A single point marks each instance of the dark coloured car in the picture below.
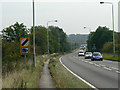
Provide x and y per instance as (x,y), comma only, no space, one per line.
(88,55)
(96,56)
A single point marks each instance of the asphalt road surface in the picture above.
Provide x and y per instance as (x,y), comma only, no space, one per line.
(101,74)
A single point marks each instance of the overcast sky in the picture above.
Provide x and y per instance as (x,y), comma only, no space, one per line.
(72,15)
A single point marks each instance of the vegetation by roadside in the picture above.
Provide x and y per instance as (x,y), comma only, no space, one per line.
(21,78)
(62,77)
(111,57)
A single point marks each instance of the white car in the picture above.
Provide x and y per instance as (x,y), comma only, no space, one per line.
(88,55)
(81,53)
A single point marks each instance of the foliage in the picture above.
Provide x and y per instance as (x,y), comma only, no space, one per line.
(14,32)
(97,39)
(58,40)
(108,46)
(10,51)
(11,44)
(76,40)
(40,39)
(21,78)
(62,77)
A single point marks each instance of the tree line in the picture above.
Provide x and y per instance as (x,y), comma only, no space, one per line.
(11,41)
(102,40)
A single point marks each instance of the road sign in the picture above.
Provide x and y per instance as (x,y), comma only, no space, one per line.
(24,46)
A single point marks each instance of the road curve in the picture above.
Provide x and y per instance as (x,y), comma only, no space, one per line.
(101,74)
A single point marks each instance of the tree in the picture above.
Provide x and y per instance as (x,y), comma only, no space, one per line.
(58,40)
(40,38)
(14,32)
(99,38)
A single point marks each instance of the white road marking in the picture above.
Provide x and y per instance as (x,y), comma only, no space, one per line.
(96,65)
(78,76)
(107,68)
(101,65)
(85,61)
(90,62)
(117,71)
(114,68)
(82,60)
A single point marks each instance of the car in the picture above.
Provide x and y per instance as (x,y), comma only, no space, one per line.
(88,55)
(81,53)
(96,56)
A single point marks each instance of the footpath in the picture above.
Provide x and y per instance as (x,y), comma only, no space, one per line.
(46,79)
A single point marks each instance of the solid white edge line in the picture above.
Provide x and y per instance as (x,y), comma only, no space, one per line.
(78,76)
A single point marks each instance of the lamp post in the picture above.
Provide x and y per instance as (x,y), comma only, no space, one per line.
(33,36)
(88,28)
(89,35)
(48,34)
(112,24)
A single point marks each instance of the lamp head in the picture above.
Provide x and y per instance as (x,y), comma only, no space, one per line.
(56,20)
(101,2)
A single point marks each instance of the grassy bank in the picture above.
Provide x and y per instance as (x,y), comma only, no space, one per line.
(62,77)
(111,57)
(21,78)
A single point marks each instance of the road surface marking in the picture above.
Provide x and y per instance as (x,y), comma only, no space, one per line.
(96,65)
(82,60)
(114,68)
(90,62)
(78,76)
(117,71)
(107,68)
(85,61)
(101,65)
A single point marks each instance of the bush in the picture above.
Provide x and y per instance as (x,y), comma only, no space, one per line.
(108,47)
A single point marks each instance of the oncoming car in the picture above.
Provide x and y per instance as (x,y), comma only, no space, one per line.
(96,56)
(88,55)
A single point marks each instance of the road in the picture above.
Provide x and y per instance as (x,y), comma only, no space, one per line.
(101,74)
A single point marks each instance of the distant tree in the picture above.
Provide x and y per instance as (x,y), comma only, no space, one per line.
(99,38)
(58,40)
(40,38)
(14,32)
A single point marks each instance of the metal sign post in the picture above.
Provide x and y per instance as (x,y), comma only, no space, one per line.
(25,48)
(25,62)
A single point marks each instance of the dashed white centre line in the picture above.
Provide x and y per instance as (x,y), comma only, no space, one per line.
(107,68)
(117,71)
(82,60)
(114,68)
(101,65)
(90,62)
(85,61)
(97,65)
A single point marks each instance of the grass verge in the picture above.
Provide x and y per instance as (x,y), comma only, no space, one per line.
(111,57)
(21,78)
(62,77)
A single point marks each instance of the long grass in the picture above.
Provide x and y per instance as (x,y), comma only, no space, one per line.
(111,57)
(62,77)
(25,78)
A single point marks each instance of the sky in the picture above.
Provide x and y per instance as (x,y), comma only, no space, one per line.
(72,15)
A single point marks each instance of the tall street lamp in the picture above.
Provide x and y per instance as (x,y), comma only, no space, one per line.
(33,36)
(112,24)
(88,28)
(89,34)
(48,34)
